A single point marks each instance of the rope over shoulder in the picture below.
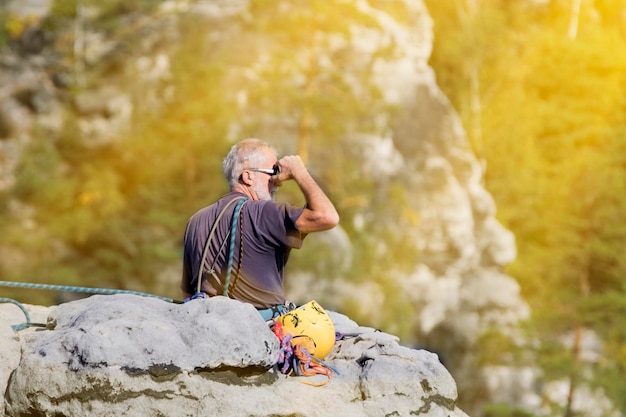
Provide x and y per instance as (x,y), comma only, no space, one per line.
(199,294)
(231,254)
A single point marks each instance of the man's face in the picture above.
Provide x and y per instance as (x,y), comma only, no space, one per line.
(264,186)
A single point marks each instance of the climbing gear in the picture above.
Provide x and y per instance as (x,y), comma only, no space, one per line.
(240,202)
(196,296)
(294,356)
(233,228)
(69,288)
(275,311)
(87,290)
(28,323)
(313,321)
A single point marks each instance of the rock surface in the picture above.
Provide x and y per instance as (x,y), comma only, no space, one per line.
(126,355)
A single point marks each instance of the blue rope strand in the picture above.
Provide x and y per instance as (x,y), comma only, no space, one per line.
(18,326)
(71,288)
(233,232)
(68,288)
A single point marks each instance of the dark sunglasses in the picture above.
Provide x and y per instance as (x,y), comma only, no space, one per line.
(273,171)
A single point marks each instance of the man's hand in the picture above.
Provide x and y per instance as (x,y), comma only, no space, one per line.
(290,166)
(320,213)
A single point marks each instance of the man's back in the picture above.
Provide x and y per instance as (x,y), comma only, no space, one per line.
(269,233)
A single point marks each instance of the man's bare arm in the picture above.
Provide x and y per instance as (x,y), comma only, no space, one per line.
(320,213)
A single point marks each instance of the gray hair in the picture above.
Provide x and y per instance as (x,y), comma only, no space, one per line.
(248,153)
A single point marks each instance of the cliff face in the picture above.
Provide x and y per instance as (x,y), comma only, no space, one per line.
(410,143)
(125,355)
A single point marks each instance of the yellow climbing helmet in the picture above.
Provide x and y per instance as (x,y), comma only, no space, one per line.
(313,321)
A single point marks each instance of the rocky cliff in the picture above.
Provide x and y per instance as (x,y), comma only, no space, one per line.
(408,143)
(126,355)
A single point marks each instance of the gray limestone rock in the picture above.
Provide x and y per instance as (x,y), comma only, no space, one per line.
(126,355)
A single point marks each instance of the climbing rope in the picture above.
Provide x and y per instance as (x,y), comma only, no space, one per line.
(68,288)
(233,228)
(87,290)
(240,263)
(294,357)
(21,326)
(199,294)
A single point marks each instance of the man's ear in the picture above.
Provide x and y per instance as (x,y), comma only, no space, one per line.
(246,177)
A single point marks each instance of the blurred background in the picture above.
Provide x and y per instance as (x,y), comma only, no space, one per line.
(475,149)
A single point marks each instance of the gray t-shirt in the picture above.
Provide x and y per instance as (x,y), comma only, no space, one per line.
(269,230)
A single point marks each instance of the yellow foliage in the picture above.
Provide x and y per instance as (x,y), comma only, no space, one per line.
(411,216)
(87,198)
(15,25)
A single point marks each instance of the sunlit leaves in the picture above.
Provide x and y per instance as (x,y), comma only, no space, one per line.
(552,122)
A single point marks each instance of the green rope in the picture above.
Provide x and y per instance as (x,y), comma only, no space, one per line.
(23,325)
(233,232)
(69,288)
(72,288)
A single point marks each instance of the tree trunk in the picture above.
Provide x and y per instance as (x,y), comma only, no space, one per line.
(574,18)
(304,134)
(475,101)
(79,46)
(304,125)
(583,282)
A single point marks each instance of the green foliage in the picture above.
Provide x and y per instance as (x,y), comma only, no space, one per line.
(39,165)
(609,376)
(4,29)
(497,348)
(504,410)
(110,10)
(550,128)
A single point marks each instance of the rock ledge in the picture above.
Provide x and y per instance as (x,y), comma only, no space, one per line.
(120,355)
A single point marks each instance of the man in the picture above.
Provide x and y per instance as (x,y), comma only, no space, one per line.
(252,269)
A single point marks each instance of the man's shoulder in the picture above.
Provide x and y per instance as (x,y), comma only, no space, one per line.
(217,205)
(270,205)
(203,213)
(266,209)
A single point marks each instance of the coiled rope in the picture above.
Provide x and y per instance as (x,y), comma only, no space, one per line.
(294,357)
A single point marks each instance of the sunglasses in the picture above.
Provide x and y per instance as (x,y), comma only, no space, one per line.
(273,171)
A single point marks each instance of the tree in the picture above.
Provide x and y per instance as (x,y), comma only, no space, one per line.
(552,126)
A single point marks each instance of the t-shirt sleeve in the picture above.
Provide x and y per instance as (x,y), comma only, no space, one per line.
(279,224)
